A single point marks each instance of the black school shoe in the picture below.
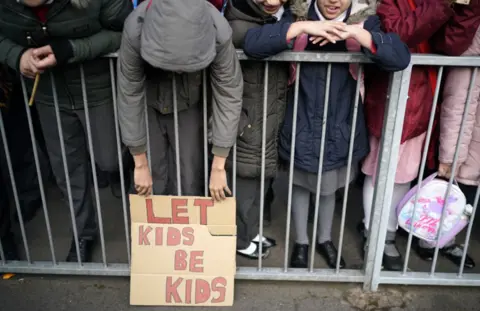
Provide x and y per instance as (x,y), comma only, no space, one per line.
(453,253)
(329,252)
(389,263)
(255,254)
(299,257)
(86,250)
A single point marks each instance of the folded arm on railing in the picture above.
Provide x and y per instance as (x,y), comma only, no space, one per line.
(391,54)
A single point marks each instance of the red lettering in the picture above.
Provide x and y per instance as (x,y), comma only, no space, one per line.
(180,260)
(196,258)
(151,218)
(188,291)
(172,290)
(218,285)
(173,236)
(176,210)
(159,236)
(189,238)
(203,204)
(202,291)
(143,235)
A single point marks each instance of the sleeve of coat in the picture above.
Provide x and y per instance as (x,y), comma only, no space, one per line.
(113,14)
(267,40)
(227,90)
(415,26)
(391,53)
(131,89)
(10,52)
(454,103)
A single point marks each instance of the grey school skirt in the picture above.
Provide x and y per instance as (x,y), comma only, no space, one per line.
(331,180)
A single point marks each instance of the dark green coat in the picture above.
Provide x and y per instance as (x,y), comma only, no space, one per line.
(92,27)
(249,142)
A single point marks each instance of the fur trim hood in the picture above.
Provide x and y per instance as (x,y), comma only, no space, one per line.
(80,4)
(361,9)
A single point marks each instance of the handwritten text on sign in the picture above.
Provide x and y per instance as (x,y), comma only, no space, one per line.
(185,261)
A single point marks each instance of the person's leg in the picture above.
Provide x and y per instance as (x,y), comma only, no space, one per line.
(190,129)
(269,197)
(102,128)
(79,173)
(159,150)
(392,260)
(266,241)
(300,205)
(325,246)
(248,191)
(23,162)
(6,235)
(451,250)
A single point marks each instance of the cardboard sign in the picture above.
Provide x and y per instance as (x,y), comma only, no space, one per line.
(183,251)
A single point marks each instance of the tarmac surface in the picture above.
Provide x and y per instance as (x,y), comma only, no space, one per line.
(45,293)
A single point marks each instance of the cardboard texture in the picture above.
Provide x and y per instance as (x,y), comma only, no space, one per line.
(183,251)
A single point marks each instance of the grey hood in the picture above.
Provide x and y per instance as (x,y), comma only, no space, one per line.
(179,35)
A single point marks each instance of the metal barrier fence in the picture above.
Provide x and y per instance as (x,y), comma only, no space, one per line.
(369,274)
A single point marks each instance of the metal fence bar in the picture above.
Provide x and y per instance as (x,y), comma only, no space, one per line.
(423,164)
(291,168)
(92,162)
(234,171)
(205,132)
(469,233)
(65,168)
(320,166)
(345,57)
(262,174)
(149,149)
(120,160)
(382,196)
(177,140)
(454,167)
(2,254)
(39,171)
(14,189)
(349,167)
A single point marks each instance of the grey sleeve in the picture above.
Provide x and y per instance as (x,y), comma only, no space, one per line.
(131,89)
(227,91)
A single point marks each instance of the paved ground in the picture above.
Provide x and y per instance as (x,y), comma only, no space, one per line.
(111,294)
(32,293)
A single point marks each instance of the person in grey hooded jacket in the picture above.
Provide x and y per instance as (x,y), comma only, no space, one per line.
(165,46)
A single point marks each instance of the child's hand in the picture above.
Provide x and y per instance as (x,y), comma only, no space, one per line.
(445,170)
(350,31)
(325,30)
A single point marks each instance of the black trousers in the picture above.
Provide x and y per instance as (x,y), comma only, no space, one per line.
(23,164)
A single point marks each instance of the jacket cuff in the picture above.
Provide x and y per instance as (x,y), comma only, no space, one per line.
(220,151)
(63,50)
(137,150)
(16,66)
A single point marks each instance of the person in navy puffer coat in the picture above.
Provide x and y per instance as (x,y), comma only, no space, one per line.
(331,26)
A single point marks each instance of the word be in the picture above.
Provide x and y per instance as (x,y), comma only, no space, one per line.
(204,291)
(179,206)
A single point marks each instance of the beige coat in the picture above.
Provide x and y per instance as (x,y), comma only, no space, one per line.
(454,99)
